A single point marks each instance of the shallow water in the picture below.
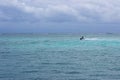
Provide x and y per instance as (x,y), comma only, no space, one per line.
(59,57)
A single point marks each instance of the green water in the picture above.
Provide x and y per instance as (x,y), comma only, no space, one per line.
(59,57)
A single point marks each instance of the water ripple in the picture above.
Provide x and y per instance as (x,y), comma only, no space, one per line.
(73,72)
(30,71)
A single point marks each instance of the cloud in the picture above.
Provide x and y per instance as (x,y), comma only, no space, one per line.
(65,10)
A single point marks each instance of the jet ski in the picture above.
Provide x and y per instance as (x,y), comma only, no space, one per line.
(82,38)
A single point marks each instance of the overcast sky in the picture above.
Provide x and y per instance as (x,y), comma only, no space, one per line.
(56,16)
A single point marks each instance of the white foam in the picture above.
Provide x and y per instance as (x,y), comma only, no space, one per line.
(102,39)
(93,39)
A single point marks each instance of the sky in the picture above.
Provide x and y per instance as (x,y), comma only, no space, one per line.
(59,16)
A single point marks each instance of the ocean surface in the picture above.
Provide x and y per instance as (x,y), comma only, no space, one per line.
(59,57)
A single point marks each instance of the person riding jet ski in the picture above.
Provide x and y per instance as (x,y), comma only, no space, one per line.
(82,38)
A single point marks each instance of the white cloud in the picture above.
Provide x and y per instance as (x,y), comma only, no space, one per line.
(81,10)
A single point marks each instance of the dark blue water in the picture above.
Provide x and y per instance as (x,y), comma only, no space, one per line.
(59,57)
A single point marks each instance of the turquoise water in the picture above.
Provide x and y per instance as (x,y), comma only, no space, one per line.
(59,57)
